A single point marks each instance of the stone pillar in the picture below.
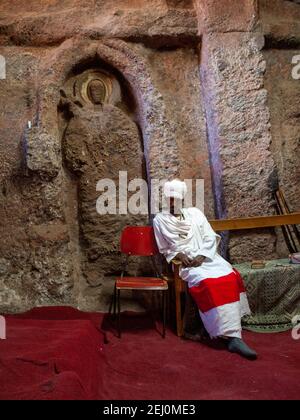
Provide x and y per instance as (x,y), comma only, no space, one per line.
(232,74)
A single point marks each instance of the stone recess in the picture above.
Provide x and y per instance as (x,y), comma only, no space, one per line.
(280,22)
(283,101)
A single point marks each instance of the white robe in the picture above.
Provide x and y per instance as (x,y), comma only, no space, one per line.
(193,236)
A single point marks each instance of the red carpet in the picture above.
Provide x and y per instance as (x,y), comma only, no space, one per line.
(60,353)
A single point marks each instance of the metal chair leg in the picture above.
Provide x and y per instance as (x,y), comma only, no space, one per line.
(119,313)
(111,304)
(164,312)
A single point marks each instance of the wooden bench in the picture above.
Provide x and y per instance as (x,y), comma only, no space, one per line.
(228,225)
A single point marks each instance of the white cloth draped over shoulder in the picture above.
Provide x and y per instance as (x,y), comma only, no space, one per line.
(192,235)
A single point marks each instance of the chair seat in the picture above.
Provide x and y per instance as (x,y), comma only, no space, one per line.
(141,283)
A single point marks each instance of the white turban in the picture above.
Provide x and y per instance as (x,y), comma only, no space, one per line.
(175,189)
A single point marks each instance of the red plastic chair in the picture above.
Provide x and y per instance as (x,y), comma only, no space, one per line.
(139,241)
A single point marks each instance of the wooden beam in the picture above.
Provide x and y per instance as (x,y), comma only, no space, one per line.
(255,222)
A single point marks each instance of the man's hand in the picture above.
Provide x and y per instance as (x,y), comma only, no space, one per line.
(184,259)
(198,261)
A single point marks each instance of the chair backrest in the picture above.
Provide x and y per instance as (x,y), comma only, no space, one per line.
(139,240)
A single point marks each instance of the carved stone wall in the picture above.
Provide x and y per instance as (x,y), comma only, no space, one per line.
(59,184)
(194,89)
(283,101)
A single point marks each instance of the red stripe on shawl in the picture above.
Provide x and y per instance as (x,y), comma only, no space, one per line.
(214,292)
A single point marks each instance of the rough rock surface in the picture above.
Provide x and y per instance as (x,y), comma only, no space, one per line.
(239,132)
(280,22)
(226,16)
(207,93)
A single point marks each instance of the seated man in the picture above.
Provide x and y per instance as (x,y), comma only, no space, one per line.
(214,284)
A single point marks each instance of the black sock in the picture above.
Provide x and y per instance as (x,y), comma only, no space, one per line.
(236,345)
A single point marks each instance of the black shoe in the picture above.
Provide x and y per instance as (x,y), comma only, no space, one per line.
(236,345)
